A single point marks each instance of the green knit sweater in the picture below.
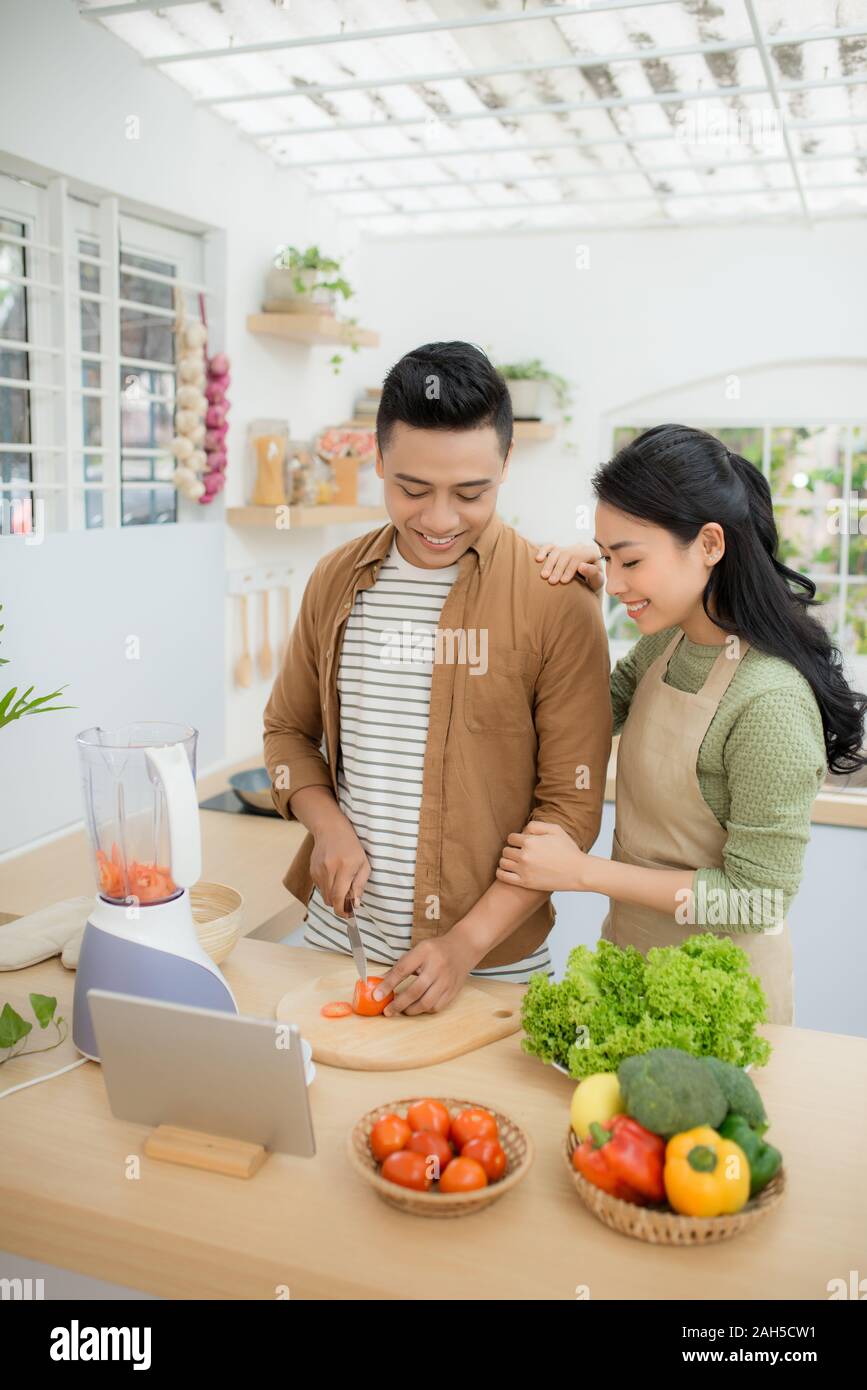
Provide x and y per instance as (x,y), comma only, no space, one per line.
(760,765)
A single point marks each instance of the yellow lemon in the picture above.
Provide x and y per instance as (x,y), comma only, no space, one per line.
(597,1099)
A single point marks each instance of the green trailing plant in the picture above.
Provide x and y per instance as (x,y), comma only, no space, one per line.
(327,270)
(14,1030)
(13,705)
(533,370)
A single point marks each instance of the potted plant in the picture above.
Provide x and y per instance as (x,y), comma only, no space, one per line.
(527,382)
(299,281)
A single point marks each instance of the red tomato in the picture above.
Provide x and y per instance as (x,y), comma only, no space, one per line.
(338,1008)
(463,1175)
(490,1153)
(433,1147)
(407,1169)
(473,1124)
(363,1001)
(430,1115)
(388,1136)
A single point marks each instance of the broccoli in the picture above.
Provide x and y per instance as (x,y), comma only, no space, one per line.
(739,1091)
(668,1091)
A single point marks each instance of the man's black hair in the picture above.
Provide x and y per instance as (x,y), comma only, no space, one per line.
(445,386)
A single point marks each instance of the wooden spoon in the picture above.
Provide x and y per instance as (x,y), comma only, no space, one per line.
(244,664)
(265,659)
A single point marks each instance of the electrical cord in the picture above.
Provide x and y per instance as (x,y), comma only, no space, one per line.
(37,1079)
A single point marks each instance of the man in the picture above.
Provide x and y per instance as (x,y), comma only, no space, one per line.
(459,698)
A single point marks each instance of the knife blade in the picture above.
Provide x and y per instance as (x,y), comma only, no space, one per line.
(355,942)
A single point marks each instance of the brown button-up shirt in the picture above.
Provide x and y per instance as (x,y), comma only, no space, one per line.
(527,739)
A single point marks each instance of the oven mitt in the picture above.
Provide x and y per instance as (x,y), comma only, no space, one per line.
(51,931)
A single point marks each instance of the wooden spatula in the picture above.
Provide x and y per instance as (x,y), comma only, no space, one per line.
(265,660)
(244,665)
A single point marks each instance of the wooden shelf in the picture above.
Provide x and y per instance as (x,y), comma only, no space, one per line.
(304,516)
(312,328)
(534,431)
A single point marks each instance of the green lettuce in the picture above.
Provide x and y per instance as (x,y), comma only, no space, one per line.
(614,1002)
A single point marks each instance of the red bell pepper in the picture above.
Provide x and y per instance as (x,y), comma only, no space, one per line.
(624,1159)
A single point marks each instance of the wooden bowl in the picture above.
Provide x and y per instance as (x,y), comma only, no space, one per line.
(516,1142)
(659,1225)
(218,915)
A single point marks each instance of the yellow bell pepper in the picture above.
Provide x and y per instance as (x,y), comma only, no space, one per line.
(705,1175)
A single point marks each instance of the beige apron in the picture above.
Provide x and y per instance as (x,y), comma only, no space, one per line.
(664,822)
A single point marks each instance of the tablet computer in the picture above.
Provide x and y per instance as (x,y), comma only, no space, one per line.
(224,1074)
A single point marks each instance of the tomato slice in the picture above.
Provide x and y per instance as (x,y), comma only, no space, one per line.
(338,1008)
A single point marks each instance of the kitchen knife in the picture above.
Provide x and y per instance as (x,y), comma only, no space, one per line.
(355,942)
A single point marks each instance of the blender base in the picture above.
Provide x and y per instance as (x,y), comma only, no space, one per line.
(114,961)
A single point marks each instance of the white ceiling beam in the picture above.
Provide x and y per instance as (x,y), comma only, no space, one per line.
(137,7)
(704,166)
(544,146)
(649,196)
(553,108)
(636,55)
(396,31)
(773,92)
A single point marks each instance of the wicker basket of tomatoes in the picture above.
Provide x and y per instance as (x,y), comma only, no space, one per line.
(439,1157)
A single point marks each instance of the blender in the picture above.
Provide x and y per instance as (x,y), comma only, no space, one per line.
(139,791)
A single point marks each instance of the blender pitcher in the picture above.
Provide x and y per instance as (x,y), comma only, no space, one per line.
(139,791)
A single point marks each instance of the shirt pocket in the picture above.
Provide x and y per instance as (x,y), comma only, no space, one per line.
(500,699)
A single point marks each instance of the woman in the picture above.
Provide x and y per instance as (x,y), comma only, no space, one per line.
(730,707)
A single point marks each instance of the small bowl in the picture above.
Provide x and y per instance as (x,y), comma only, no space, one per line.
(659,1225)
(253,788)
(218,915)
(516,1142)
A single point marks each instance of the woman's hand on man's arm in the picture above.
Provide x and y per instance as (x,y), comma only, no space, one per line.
(561,563)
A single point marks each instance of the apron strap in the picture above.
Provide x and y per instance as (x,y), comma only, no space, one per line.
(723,670)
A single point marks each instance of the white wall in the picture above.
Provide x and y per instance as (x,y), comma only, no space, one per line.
(67,88)
(651,312)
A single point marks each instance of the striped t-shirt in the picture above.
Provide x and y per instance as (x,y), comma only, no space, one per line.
(384,681)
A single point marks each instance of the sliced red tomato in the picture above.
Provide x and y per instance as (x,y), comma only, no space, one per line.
(338,1008)
(363,1001)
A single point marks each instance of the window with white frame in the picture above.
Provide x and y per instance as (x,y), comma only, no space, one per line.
(88,302)
(817,471)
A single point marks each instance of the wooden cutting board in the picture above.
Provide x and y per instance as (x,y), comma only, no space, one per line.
(392,1044)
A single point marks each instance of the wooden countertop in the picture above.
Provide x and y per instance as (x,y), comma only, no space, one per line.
(313,1225)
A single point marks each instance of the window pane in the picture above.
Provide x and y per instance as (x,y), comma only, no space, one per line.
(621,627)
(147,423)
(94,509)
(89,279)
(856,619)
(828,610)
(14,467)
(146,335)
(147,506)
(15,419)
(807,542)
(807,463)
(623,435)
(747,442)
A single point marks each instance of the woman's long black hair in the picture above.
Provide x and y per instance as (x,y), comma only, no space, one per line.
(681,479)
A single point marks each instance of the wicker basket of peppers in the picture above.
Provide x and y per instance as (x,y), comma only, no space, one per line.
(659,1152)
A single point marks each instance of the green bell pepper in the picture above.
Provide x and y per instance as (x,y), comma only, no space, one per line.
(763,1158)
